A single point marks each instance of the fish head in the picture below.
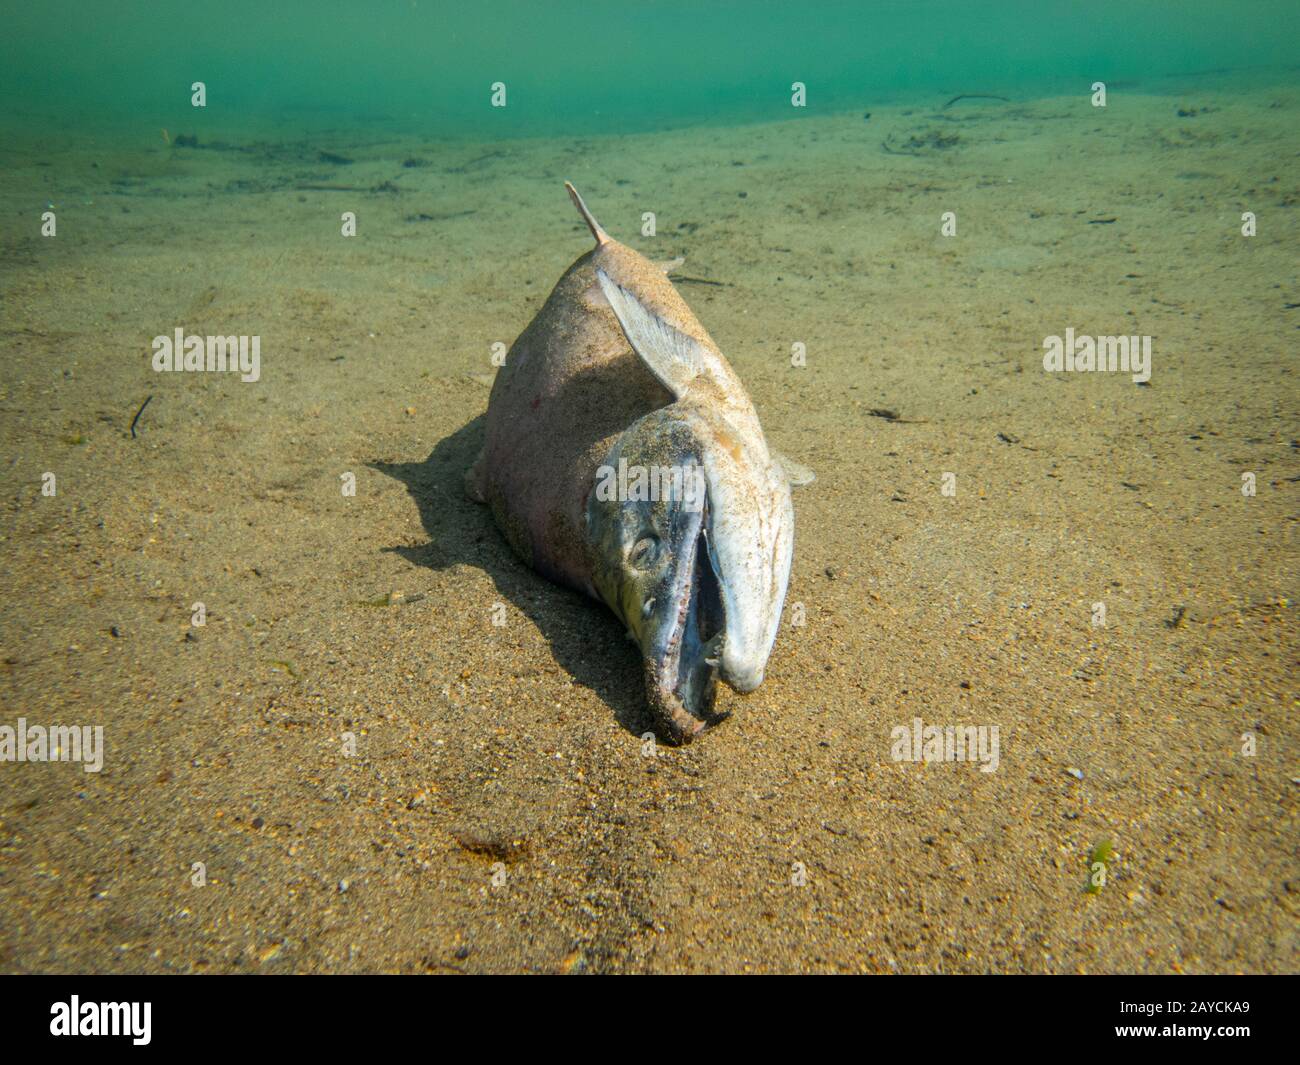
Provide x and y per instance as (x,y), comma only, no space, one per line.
(648,523)
(692,552)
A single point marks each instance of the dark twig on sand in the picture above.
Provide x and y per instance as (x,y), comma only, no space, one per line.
(383,186)
(894,151)
(474,162)
(137,415)
(682,279)
(973,96)
(893,416)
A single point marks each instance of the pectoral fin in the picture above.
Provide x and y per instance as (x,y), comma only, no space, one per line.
(671,355)
(796,473)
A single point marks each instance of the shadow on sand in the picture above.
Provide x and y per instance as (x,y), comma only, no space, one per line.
(585,638)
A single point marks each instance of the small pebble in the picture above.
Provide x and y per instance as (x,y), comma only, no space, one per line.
(1076,773)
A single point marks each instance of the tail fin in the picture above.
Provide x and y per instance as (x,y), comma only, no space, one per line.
(601,236)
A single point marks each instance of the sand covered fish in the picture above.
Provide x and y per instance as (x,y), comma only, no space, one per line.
(623,458)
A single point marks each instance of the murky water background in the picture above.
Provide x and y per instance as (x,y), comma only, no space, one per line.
(590,67)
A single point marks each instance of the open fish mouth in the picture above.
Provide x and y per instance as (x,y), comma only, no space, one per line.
(682,672)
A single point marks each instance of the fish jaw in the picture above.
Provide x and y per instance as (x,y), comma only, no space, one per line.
(682,652)
(751,538)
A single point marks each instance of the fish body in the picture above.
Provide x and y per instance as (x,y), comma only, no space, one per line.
(623,458)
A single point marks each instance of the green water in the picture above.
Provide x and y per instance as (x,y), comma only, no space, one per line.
(590,67)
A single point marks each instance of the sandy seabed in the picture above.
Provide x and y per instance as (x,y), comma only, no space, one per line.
(499,812)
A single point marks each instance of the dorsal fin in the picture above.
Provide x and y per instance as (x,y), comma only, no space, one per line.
(601,236)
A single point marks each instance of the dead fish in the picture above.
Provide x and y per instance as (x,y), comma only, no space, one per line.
(624,458)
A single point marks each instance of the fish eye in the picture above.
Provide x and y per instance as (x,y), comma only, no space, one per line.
(643,551)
